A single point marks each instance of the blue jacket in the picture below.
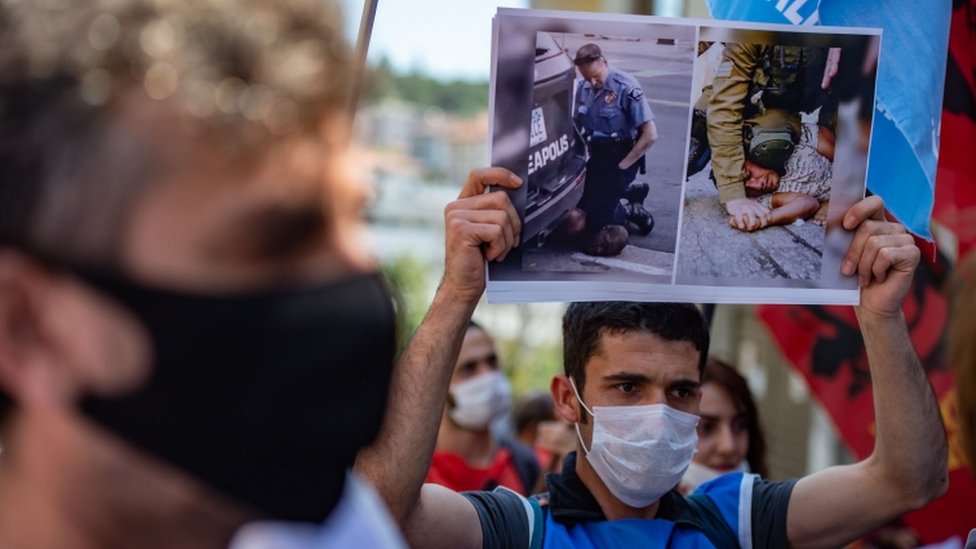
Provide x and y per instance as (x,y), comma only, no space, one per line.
(731,494)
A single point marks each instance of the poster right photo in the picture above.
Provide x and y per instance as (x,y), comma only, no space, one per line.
(779,134)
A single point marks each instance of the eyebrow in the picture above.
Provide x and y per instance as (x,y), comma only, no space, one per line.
(624,377)
(634,377)
(492,359)
(685,384)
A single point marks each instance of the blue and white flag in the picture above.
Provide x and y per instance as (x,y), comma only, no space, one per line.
(911,76)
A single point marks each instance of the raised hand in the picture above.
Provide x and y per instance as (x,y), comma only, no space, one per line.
(479,226)
(882,255)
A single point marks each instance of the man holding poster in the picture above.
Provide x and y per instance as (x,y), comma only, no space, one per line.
(633,375)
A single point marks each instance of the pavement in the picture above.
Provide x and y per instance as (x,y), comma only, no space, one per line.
(633,259)
(709,247)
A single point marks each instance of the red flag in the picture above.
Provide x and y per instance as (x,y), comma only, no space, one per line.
(825,345)
(955,189)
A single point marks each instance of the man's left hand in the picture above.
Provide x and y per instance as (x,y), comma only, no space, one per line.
(882,255)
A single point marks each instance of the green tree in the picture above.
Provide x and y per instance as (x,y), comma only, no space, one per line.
(529,362)
(459,97)
(406,277)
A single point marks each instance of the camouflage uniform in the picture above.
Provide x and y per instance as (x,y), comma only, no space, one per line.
(750,79)
(609,117)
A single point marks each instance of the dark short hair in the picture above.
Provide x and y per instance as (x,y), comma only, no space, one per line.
(585,323)
(587,53)
(731,381)
(534,409)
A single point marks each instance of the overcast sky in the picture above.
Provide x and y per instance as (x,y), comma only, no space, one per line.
(447,39)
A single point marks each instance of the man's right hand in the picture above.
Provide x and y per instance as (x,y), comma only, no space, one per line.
(747,214)
(479,226)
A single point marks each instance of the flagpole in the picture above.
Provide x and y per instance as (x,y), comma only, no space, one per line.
(362,48)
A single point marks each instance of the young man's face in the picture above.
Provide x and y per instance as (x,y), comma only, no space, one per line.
(628,369)
(638,368)
(759,180)
(595,72)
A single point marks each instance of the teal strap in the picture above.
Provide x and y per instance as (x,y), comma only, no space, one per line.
(539,524)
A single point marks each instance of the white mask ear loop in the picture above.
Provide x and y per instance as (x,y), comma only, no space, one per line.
(576,424)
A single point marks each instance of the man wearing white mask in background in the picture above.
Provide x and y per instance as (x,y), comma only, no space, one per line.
(468,456)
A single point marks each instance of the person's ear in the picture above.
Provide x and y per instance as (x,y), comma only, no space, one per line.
(25,354)
(564,398)
(59,337)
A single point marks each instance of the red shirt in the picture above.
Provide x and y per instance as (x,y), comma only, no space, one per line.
(451,471)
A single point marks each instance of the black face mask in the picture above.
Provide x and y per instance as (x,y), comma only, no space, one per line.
(266,397)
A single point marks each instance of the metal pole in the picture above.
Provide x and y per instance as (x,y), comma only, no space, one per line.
(362,48)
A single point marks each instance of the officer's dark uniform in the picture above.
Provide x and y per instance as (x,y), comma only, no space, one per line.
(609,117)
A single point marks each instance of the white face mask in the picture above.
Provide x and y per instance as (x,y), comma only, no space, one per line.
(698,474)
(480,400)
(640,452)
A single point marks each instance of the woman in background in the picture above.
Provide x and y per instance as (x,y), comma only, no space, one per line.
(729,435)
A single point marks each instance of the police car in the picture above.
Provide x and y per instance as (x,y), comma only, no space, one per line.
(557,154)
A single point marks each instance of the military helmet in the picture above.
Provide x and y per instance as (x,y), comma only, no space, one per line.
(770,138)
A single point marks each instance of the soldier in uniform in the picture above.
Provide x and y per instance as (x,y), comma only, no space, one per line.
(751,80)
(618,124)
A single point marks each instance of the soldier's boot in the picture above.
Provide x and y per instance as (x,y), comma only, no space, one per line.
(637,191)
(639,220)
(699,155)
(699,151)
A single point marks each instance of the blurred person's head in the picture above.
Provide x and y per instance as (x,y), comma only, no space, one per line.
(962,352)
(479,392)
(186,329)
(730,437)
(530,411)
(592,65)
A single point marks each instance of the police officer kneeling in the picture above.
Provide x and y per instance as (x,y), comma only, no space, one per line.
(612,113)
